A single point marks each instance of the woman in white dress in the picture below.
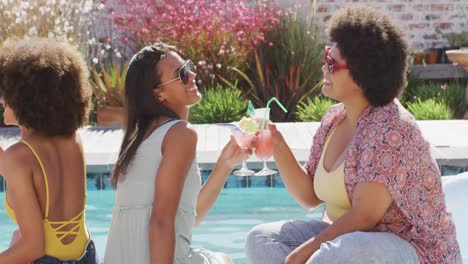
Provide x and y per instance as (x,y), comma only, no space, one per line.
(158,185)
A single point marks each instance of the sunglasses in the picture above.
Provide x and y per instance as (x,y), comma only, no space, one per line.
(184,73)
(331,64)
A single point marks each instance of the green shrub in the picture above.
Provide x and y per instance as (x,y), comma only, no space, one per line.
(313,109)
(288,67)
(451,93)
(413,81)
(109,84)
(219,105)
(430,109)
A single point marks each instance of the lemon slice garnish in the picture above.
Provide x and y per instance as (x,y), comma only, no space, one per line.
(248,125)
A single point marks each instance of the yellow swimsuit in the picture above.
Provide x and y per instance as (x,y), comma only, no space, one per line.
(54,233)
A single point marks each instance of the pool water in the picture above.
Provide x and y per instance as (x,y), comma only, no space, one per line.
(235,212)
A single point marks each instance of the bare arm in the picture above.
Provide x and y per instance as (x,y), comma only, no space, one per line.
(30,244)
(364,215)
(15,237)
(231,155)
(178,151)
(296,179)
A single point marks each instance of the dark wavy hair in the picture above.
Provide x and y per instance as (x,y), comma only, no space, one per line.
(375,49)
(141,107)
(46,83)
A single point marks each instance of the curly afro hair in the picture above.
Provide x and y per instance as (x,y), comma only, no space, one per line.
(46,84)
(375,49)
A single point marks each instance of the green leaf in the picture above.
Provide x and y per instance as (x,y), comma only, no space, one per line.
(219,105)
(313,109)
(430,109)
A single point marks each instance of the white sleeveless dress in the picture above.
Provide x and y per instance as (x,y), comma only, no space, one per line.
(128,240)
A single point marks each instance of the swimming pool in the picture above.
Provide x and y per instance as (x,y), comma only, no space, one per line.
(224,229)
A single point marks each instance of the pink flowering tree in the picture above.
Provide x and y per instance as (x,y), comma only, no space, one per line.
(216,35)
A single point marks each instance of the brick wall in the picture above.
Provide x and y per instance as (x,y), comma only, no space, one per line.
(419,18)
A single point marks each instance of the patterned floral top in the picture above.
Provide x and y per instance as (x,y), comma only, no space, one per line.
(388,147)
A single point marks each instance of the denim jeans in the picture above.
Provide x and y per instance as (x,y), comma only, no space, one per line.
(271,243)
(90,256)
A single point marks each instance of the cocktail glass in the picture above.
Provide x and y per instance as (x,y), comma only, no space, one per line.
(265,147)
(261,114)
(244,141)
(264,150)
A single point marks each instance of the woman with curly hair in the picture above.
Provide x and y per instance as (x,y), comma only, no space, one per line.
(369,163)
(45,91)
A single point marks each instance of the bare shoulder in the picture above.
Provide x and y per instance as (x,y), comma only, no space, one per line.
(77,138)
(17,157)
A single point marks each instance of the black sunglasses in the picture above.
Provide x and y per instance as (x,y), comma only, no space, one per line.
(184,73)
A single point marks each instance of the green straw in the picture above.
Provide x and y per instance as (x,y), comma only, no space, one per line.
(268,107)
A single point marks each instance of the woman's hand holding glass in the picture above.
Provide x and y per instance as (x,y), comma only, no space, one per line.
(232,154)
(244,141)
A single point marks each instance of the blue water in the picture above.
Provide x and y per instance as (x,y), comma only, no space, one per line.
(224,229)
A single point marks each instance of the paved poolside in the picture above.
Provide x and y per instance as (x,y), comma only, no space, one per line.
(449,142)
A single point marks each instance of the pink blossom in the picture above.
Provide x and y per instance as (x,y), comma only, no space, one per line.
(221,32)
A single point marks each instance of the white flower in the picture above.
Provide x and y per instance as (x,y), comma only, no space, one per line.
(32,31)
(24,5)
(118,55)
(101,6)
(88,6)
(95,60)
